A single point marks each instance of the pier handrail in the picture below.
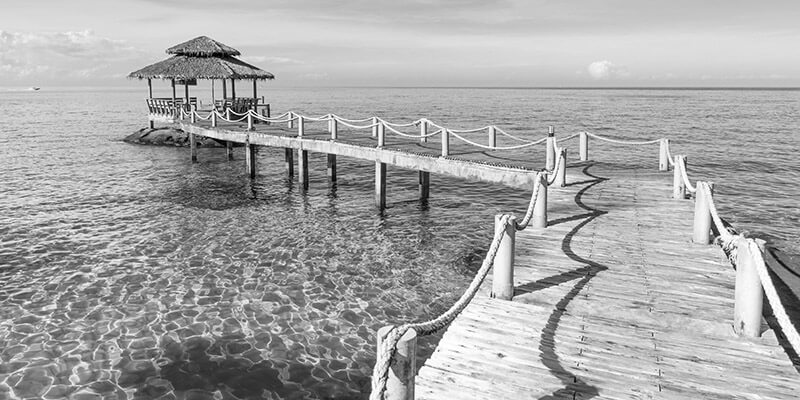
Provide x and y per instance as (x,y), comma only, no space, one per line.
(617,141)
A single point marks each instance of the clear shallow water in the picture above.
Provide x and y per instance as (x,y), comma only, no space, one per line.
(127,270)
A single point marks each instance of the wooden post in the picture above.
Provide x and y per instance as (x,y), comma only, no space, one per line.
(250,158)
(584,143)
(663,163)
(503,268)
(424,185)
(267,113)
(445,142)
(539,219)
(748,292)
(194,116)
(193,147)
(150,96)
(290,124)
(334,127)
(289,156)
(492,136)
(702,215)
(229,149)
(302,168)
(380,185)
(255,95)
(301,126)
(423,130)
(233,89)
(678,187)
(249,120)
(403,367)
(213,118)
(374,127)
(381,134)
(224,91)
(174,99)
(561,174)
(228,113)
(550,156)
(332,168)
(186,95)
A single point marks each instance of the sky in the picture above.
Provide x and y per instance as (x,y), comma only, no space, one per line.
(471,43)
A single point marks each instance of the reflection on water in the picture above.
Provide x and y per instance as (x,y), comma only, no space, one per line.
(129,272)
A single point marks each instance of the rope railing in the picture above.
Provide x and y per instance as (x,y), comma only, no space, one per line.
(685,177)
(470,142)
(617,141)
(518,139)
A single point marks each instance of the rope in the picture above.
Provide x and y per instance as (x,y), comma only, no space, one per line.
(725,235)
(469,130)
(534,196)
(622,141)
(357,126)
(686,182)
(669,156)
(504,133)
(353,121)
(463,139)
(411,136)
(554,172)
(410,124)
(568,137)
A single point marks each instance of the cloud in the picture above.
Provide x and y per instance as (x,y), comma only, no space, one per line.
(55,55)
(605,70)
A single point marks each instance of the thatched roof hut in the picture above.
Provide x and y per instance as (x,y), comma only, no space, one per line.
(202,58)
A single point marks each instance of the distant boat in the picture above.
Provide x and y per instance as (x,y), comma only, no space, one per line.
(34,88)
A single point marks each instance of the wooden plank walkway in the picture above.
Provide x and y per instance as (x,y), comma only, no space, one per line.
(611,302)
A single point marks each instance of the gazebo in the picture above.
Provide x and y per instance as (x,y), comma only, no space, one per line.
(200,58)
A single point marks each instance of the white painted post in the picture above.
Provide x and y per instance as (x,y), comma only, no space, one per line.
(584,143)
(381,134)
(249,120)
(403,367)
(228,113)
(663,163)
(194,116)
(374,126)
(748,292)
(503,268)
(423,131)
(334,126)
(561,174)
(445,142)
(301,126)
(550,157)
(678,187)
(290,123)
(539,219)
(492,136)
(214,119)
(702,215)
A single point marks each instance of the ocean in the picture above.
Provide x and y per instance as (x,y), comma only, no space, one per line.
(128,271)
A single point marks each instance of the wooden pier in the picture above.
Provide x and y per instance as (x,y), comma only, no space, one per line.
(616,294)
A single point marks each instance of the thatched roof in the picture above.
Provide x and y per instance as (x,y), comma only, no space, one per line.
(203,46)
(189,67)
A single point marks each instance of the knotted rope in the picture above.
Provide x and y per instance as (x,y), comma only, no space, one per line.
(617,141)
(686,181)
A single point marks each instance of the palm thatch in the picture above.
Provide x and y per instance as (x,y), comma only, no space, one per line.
(185,67)
(203,46)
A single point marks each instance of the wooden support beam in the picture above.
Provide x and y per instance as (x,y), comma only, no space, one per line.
(224,89)
(424,185)
(233,89)
(332,168)
(193,146)
(380,185)
(229,150)
(250,158)
(289,156)
(302,168)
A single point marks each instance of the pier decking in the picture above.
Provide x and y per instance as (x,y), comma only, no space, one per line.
(612,300)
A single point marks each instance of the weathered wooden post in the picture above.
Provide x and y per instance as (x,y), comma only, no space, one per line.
(561,173)
(301,126)
(267,113)
(492,136)
(381,134)
(702,215)
(193,146)
(150,96)
(424,185)
(748,292)
(539,219)
(403,367)
(380,185)
(374,126)
(423,130)
(250,158)
(550,156)
(229,150)
(503,268)
(290,123)
(445,142)
(678,187)
(584,144)
(663,162)
(302,167)
(332,168)
(289,157)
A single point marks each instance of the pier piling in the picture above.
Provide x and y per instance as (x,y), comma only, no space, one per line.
(550,156)
(748,292)
(663,163)
(561,174)
(193,146)
(302,166)
(678,187)
(250,158)
(540,208)
(380,185)
(403,367)
(702,215)
(229,150)
(332,168)
(289,157)
(503,268)
(424,185)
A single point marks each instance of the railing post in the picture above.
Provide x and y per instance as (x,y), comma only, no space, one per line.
(492,136)
(539,219)
(374,126)
(702,215)
(550,157)
(228,113)
(194,116)
(214,119)
(403,367)
(301,126)
(423,130)
(503,268)
(381,134)
(678,187)
(266,112)
(334,127)
(561,174)
(584,143)
(663,163)
(249,120)
(748,292)
(290,123)
(445,142)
